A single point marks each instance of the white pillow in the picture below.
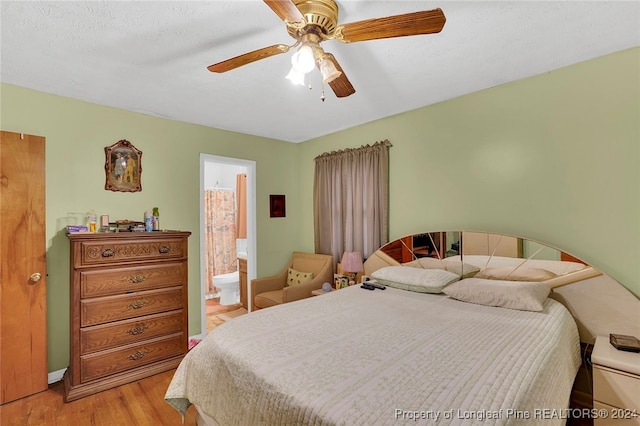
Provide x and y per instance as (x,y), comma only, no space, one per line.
(558,267)
(518,274)
(521,295)
(415,279)
(463,270)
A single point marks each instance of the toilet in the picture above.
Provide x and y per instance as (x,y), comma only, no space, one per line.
(229,287)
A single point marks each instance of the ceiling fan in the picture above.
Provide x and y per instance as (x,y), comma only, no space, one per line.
(310,22)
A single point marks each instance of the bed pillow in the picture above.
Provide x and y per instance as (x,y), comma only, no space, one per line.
(295,277)
(520,274)
(463,270)
(558,267)
(520,295)
(415,279)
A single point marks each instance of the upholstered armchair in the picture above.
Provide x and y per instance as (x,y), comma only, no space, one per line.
(274,290)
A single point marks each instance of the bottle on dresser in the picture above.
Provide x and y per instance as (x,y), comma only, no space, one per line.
(148,221)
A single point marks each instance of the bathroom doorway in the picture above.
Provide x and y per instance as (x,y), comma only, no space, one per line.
(219,179)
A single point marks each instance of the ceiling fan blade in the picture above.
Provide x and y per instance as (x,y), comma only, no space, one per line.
(341,85)
(425,22)
(286,10)
(247,58)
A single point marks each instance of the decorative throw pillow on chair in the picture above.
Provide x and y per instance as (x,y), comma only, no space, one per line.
(296,277)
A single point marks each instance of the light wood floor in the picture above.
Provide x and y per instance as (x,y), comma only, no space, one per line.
(139,403)
(217,314)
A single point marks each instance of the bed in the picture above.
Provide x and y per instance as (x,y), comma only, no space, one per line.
(403,355)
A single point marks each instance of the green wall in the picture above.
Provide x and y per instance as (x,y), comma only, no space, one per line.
(555,158)
(76,135)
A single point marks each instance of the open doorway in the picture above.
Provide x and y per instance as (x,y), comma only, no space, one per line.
(219,175)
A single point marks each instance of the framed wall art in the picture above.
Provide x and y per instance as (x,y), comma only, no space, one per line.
(276,206)
(123,167)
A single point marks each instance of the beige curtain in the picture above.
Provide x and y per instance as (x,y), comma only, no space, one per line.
(350,200)
(241,198)
(220,234)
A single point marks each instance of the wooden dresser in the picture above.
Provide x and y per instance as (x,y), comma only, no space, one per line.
(128,308)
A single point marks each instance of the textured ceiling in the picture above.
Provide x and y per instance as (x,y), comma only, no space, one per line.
(151,57)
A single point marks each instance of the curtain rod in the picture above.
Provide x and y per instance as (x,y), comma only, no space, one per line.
(217,187)
(385,143)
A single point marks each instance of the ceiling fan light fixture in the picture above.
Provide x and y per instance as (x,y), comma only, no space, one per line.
(311,22)
(329,71)
(303,60)
(295,76)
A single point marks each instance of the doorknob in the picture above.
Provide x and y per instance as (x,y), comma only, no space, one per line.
(34,278)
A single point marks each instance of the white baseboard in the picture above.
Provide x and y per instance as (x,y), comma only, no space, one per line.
(55,376)
(198,336)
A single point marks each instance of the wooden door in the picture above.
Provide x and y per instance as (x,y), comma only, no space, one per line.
(23,301)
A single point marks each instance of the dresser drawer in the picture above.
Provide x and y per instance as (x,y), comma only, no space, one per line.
(113,308)
(106,363)
(106,336)
(102,252)
(104,282)
(616,388)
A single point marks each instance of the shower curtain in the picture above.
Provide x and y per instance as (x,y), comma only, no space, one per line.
(220,234)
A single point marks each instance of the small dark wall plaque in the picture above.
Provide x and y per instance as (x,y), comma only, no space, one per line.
(123,167)
(277,206)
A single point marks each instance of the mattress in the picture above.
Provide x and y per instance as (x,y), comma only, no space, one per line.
(360,357)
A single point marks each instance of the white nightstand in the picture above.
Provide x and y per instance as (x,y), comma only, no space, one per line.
(616,384)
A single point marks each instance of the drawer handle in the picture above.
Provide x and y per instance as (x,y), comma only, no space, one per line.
(137,355)
(108,253)
(164,249)
(138,330)
(139,304)
(137,279)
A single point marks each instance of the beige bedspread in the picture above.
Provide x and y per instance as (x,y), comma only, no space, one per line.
(359,357)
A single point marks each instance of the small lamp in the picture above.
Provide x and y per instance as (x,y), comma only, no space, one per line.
(352,263)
